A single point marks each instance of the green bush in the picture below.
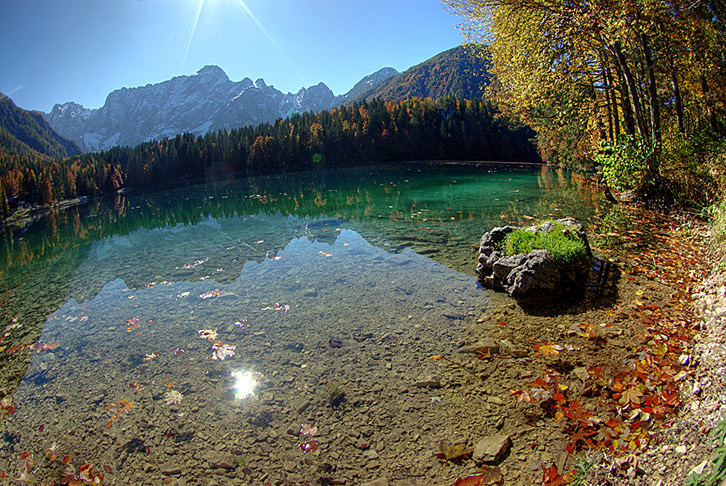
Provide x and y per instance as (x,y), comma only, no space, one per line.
(565,247)
(694,165)
(624,164)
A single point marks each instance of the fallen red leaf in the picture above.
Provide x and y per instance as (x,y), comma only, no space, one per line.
(469,481)
(310,446)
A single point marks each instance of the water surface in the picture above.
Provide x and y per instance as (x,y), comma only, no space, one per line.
(330,291)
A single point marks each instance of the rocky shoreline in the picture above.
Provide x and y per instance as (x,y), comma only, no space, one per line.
(686,446)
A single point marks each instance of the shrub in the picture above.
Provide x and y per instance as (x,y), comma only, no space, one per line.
(695,167)
(564,246)
(625,164)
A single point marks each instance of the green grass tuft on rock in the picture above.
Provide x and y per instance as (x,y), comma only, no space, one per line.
(566,248)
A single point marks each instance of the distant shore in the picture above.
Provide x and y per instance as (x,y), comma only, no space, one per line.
(27,213)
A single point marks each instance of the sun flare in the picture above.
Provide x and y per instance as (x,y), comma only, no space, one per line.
(200,5)
(245,383)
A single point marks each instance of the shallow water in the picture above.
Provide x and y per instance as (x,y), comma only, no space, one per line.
(316,285)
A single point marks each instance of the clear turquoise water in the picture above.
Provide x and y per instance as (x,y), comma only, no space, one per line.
(319,281)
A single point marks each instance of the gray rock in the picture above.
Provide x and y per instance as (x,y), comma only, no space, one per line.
(506,264)
(485,344)
(221,460)
(491,449)
(491,240)
(170,469)
(293,429)
(507,347)
(428,382)
(533,278)
(300,404)
(371,454)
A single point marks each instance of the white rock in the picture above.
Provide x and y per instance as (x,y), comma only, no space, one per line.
(698,470)
(680,376)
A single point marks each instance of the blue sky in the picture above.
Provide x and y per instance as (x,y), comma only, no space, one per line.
(80,50)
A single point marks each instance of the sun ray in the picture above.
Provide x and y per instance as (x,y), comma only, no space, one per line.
(243,5)
(200,5)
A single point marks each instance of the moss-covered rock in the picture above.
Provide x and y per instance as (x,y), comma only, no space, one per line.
(537,265)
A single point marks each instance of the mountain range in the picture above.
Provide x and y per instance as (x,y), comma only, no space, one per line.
(209,101)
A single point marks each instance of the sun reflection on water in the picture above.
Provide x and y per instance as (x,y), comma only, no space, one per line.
(245,383)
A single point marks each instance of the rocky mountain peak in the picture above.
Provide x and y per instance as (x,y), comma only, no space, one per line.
(213,72)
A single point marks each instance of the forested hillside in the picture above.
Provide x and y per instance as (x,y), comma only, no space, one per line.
(26,133)
(362,134)
(457,72)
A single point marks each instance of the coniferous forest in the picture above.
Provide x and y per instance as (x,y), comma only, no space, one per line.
(367,133)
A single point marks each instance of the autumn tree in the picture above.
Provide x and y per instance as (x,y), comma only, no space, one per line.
(618,73)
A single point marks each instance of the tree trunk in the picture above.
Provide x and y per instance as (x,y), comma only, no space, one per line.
(678,101)
(608,100)
(628,119)
(710,115)
(652,91)
(632,89)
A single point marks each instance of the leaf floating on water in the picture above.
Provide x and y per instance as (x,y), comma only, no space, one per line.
(307,429)
(208,334)
(133,323)
(122,405)
(310,446)
(13,326)
(210,294)
(85,476)
(453,452)
(173,397)
(277,308)
(39,347)
(220,350)
(7,405)
(189,266)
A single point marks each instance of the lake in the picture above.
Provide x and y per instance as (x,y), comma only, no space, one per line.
(261,330)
